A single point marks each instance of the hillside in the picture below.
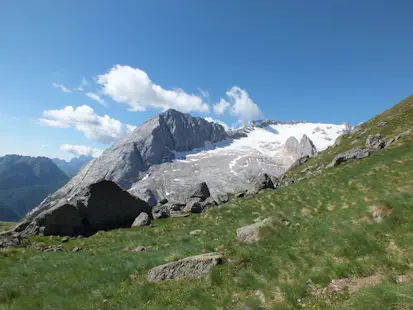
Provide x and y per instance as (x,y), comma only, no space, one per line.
(351,223)
(25,181)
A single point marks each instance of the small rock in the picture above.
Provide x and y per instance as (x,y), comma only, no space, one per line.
(222,198)
(163,201)
(131,277)
(240,194)
(65,239)
(142,219)
(196,232)
(76,249)
(179,214)
(258,293)
(382,124)
(139,248)
(251,233)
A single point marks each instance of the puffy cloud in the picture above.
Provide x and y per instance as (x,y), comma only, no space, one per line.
(240,105)
(97,98)
(100,128)
(211,120)
(221,107)
(133,87)
(61,87)
(79,150)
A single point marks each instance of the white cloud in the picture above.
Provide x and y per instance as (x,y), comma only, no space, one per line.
(204,93)
(240,105)
(221,107)
(79,150)
(61,87)
(133,87)
(100,128)
(97,98)
(211,120)
(83,83)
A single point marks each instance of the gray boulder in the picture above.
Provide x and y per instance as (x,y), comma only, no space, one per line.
(261,182)
(208,203)
(142,219)
(222,198)
(160,212)
(193,206)
(201,191)
(251,233)
(190,267)
(356,153)
(375,142)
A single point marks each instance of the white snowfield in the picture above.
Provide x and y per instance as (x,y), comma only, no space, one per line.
(230,164)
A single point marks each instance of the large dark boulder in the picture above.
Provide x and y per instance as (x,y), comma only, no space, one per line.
(100,206)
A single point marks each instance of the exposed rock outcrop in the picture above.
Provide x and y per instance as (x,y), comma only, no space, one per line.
(190,267)
(375,142)
(261,182)
(356,153)
(251,233)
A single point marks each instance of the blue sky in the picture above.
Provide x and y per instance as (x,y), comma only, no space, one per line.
(320,61)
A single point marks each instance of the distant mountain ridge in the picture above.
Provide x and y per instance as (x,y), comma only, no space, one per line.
(25,181)
(73,166)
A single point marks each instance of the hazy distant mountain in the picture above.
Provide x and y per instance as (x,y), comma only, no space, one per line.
(25,181)
(6,214)
(73,166)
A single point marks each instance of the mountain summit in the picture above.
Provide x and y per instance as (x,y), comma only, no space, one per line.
(165,156)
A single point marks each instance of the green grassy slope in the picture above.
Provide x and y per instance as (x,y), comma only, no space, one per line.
(322,230)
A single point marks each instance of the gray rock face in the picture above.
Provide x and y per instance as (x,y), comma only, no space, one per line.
(100,206)
(251,233)
(356,153)
(263,181)
(375,141)
(190,267)
(142,219)
(299,162)
(300,149)
(154,142)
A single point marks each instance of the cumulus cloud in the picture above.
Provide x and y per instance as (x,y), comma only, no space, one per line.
(133,87)
(211,120)
(97,98)
(84,119)
(61,87)
(221,107)
(240,105)
(79,150)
